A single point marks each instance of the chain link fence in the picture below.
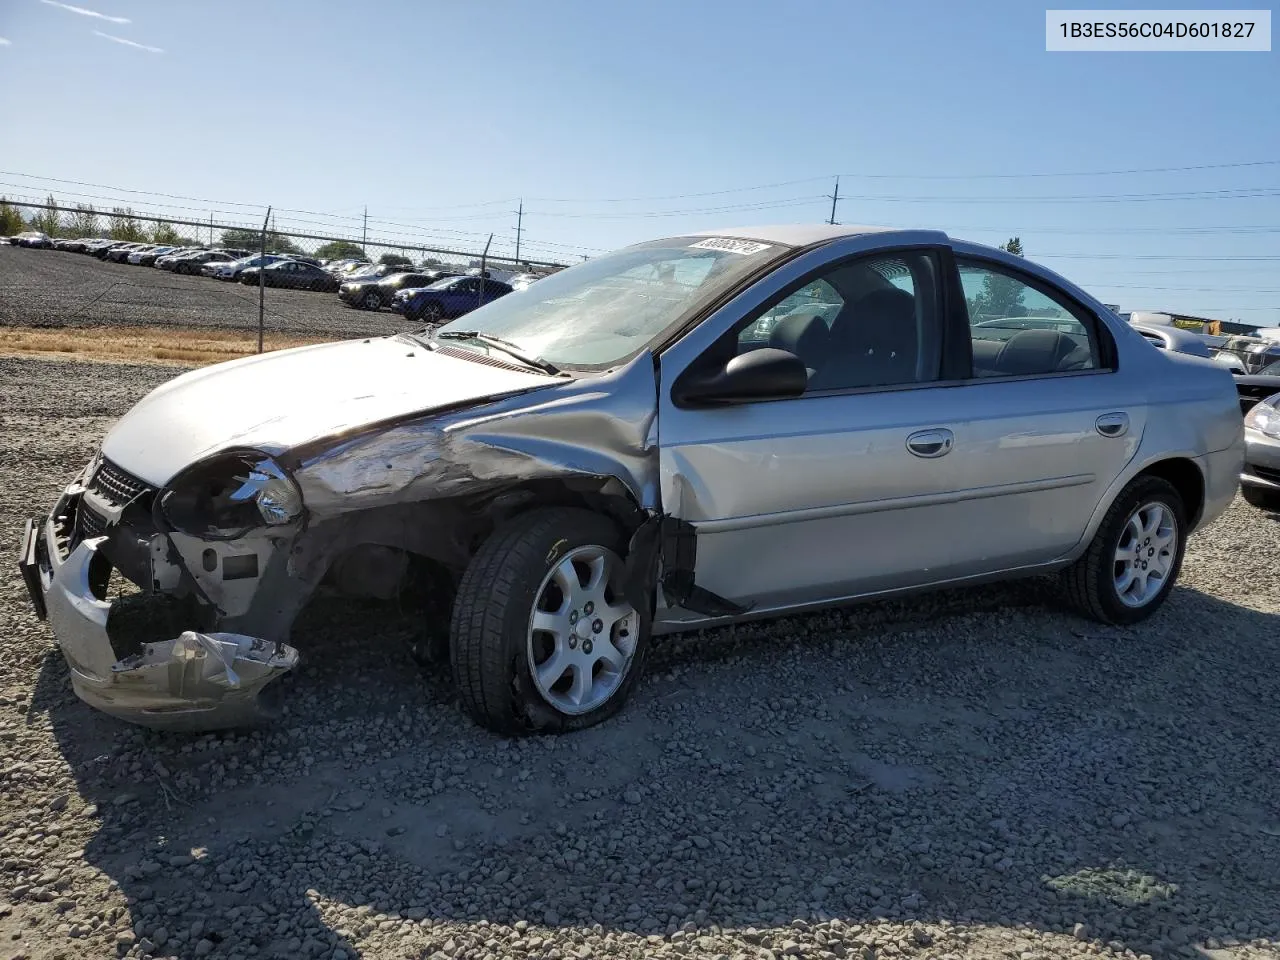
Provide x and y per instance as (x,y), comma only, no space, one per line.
(184,286)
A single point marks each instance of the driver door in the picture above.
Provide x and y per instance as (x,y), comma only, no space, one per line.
(847,489)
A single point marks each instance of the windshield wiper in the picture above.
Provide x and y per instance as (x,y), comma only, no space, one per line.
(506,346)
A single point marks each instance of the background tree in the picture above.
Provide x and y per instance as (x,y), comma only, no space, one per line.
(83,222)
(341,250)
(124,226)
(1000,296)
(240,239)
(165,233)
(11,221)
(395,260)
(47,221)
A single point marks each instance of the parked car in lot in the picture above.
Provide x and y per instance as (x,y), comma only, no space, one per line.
(621,451)
(33,239)
(1254,387)
(165,260)
(121,253)
(103,251)
(231,270)
(374,293)
(147,258)
(450,297)
(1260,481)
(294,274)
(190,263)
(341,268)
(1174,338)
(373,271)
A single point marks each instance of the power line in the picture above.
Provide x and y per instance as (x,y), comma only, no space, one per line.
(1246,164)
(1085,173)
(907,176)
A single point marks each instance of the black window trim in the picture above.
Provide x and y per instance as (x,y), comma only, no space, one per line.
(943,294)
(1100,340)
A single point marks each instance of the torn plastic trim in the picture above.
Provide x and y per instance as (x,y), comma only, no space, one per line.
(663,552)
(196,681)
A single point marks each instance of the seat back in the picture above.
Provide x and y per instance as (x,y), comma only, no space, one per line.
(873,341)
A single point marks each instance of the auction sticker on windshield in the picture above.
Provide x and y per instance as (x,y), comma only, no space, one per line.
(730,245)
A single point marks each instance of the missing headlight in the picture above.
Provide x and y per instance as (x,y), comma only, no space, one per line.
(225,497)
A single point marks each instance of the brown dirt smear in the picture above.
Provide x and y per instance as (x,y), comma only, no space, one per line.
(167,346)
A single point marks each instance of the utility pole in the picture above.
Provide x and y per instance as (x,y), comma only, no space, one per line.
(364,233)
(519,227)
(262,281)
(484,273)
(211,228)
(834,197)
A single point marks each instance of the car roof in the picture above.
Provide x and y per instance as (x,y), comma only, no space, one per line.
(796,234)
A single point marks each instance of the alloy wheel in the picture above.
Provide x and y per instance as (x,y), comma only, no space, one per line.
(1145,554)
(582,633)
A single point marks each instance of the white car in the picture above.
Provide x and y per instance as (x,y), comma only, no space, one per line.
(148,253)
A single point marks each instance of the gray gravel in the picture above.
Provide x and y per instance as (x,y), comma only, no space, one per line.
(45,288)
(971,774)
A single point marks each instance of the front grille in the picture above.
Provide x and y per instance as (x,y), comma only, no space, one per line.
(1266,473)
(91,523)
(115,485)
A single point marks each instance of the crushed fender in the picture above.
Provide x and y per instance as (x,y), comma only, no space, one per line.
(198,681)
(667,543)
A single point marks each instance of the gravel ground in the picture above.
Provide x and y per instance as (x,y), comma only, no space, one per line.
(970,774)
(43,288)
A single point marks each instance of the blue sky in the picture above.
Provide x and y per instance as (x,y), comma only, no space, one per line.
(609,120)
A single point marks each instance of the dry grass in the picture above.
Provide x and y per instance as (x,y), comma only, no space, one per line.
(160,345)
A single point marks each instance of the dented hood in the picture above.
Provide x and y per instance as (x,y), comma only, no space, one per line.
(278,400)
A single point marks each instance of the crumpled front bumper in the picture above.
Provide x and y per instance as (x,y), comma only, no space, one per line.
(196,681)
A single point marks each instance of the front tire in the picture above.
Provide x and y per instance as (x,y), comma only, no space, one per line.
(1134,559)
(1260,497)
(371,301)
(542,638)
(431,312)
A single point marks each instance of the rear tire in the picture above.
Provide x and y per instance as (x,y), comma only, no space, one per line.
(1260,497)
(1135,557)
(544,591)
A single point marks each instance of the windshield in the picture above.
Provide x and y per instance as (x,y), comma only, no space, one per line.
(605,310)
(1272,369)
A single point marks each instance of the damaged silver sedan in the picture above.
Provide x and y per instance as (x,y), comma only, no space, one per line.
(683,433)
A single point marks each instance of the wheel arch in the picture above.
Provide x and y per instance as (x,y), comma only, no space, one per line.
(1186,477)
(448,531)
(1176,467)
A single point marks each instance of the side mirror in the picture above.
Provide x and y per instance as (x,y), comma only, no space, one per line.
(764,374)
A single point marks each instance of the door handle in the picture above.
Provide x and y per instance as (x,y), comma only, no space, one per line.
(931,443)
(1112,424)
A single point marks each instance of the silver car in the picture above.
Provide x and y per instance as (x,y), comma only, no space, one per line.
(1260,482)
(686,432)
